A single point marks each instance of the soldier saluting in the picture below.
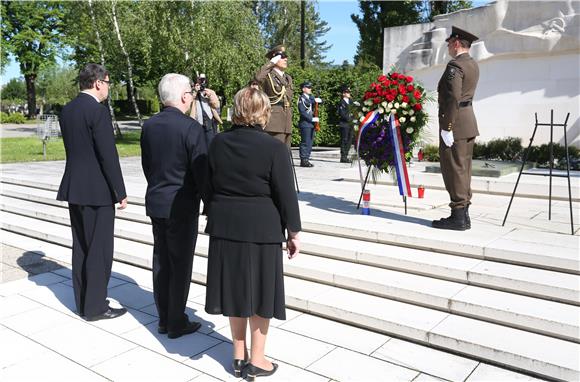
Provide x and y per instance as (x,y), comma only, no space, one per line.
(458,128)
(278,87)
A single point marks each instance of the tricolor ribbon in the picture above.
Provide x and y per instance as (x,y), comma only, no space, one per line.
(368,120)
(399,156)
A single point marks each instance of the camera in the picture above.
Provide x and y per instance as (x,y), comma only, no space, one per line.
(202,83)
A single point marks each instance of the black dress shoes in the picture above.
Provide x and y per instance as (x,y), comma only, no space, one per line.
(239,365)
(110,313)
(254,372)
(190,327)
(162,329)
(306,163)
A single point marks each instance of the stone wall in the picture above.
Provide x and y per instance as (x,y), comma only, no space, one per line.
(529,58)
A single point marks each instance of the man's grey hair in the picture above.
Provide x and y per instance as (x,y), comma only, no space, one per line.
(171,88)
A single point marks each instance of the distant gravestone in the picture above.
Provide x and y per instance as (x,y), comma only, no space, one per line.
(47,128)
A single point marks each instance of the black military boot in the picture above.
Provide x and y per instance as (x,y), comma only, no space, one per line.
(467,219)
(305,163)
(454,222)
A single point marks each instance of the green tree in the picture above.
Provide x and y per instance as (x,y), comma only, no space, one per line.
(31,32)
(57,86)
(15,89)
(376,16)
(433,8)
(280,24)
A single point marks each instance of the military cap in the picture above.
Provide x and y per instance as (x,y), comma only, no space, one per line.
(276,50)
(345,89)
(461,35)
(306,84)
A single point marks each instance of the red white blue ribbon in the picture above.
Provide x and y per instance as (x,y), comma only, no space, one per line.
(368,120)
(399,156)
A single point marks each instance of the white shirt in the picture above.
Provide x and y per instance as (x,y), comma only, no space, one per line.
(346,99)
(91,94)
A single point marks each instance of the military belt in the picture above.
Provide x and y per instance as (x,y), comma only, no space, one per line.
(464,103)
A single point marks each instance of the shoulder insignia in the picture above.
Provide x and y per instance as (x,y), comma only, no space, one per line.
(451,73)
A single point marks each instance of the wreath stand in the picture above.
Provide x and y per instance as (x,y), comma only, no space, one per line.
(364,186)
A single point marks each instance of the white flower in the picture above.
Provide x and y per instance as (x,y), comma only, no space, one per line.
(361,118)
(381,110)
(390,105)
(402,119)
(393,111)
(404,105)
(409,130)
(405,112)
(365,109)
(360,114)
(369,102)
(411,112)
(384,103)
(412,119)
(397,105)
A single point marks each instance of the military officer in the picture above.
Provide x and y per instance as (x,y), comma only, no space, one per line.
(346,124)
(306,123)
(458,128)
(278,87)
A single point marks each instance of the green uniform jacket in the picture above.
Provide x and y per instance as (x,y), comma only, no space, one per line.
(456,90)
(280,91)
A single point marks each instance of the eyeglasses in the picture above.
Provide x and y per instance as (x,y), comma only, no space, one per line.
(191,92)
(108,82)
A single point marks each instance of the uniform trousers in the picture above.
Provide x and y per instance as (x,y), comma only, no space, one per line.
(455,164)
(346,136)
(307,134)
(174,242)
(92,256)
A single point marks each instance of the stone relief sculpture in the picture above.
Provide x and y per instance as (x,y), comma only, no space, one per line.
(503,27)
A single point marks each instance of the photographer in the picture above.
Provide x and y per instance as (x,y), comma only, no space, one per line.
(205,108)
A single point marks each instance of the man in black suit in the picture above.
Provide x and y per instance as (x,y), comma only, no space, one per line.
(92,183)
(174,159)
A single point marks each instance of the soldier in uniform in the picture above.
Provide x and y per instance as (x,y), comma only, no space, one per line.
(306,123)
(345,122)
(278,87)
(458,128)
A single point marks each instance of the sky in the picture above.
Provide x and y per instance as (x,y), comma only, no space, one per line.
(343,34)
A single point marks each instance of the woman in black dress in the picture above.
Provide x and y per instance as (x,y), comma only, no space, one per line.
(252,206)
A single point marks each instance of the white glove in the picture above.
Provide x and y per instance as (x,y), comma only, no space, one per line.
(318,100)
(274,60)
(447,137)
(315,119)
(356,103)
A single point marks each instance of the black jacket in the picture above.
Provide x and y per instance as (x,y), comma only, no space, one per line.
(174,160)
(252,196)
(344,112)
(92,175)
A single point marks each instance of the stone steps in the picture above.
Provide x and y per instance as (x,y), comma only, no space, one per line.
(514,348)
(484,243)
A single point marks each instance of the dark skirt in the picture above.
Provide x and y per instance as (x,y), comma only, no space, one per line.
(245,279)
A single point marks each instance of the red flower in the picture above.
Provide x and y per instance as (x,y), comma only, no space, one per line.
(417,95)
(390,97)
(382,78)
(409,79)
(417,107)
(377,100)
(410,88)
(405,99)
(394,92)
(401,89)
(394,75)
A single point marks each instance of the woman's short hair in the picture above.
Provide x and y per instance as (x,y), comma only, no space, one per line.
(251,107)
(171,88)
(91,73)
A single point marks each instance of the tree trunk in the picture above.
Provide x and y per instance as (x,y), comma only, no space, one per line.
(31,94)
(129,66)
(116,128)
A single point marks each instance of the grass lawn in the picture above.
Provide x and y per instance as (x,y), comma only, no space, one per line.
(30,149)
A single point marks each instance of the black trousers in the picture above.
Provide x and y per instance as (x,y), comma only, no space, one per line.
(173,248)
(92,256)
(346,135)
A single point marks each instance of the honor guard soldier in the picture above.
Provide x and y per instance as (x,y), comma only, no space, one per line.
(306,107)
(278,87)
(458,128)
(345,123)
